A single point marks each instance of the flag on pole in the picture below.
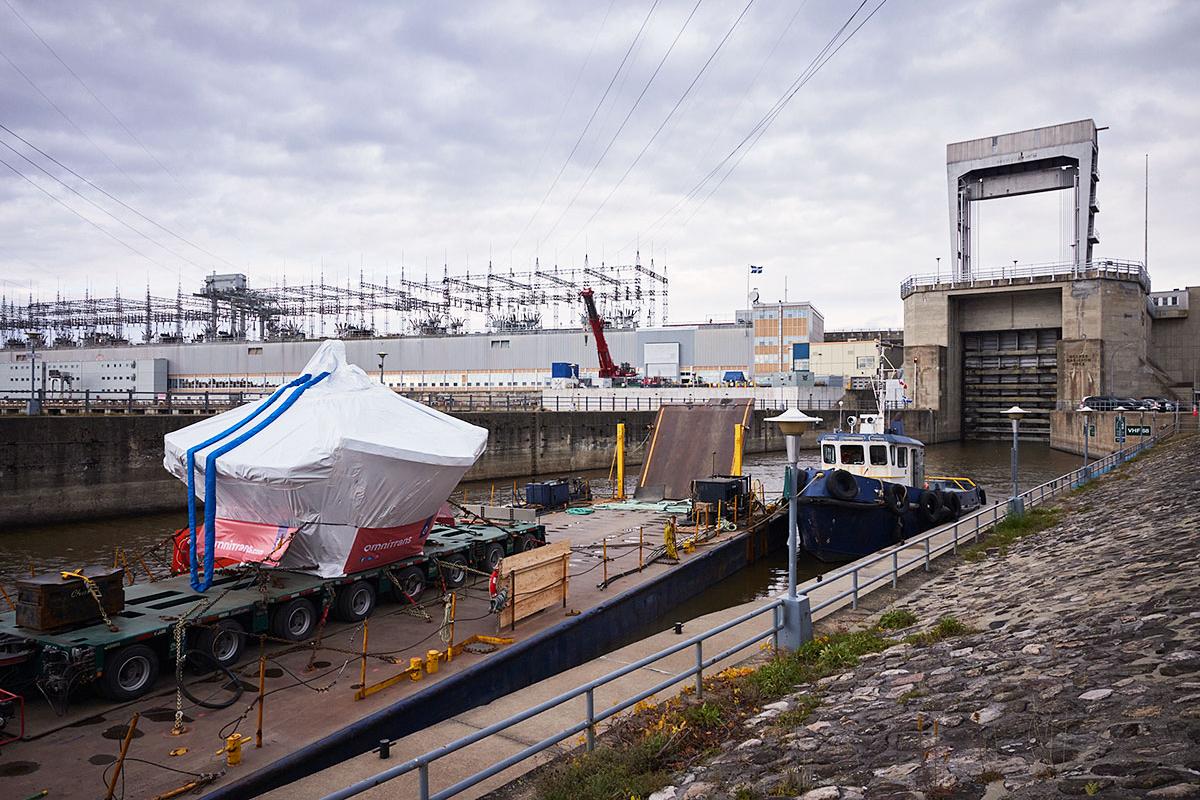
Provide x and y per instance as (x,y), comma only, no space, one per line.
(754,270)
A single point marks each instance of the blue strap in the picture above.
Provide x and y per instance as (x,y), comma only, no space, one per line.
(210,479)
(191,464)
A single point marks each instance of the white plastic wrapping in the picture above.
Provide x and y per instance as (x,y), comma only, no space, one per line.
(349,455)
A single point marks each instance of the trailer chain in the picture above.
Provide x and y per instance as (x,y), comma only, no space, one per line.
(326,604)
(94,590)
(416,609)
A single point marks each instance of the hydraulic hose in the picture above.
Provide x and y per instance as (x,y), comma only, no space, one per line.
(210,481)
(191,465)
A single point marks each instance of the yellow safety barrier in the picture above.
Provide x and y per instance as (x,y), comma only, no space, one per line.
(419,667)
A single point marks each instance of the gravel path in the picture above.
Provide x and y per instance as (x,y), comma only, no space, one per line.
(1083,678)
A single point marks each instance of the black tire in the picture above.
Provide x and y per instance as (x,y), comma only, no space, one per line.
(495,553)
(230,680)
(454,570)
(953,504)
(929,505)
(129,673)
(529,543)
(841,485)
(355,602)
(412,584)
(982,495)
(295,620)
(219,644)
(895,497)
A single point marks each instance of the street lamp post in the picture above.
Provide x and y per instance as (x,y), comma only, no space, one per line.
(1015,505)
(34,407)
(840,404)
(797,618)
(1086,411)
(382,355)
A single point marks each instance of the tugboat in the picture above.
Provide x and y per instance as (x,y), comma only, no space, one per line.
(871,491)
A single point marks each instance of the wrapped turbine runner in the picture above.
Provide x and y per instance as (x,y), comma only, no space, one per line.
(334,473)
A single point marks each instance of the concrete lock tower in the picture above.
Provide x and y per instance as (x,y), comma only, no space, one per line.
(985,338)
(1060,157)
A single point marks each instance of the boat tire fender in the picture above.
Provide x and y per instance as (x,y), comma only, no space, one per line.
(928,506)
(841,485)
(953,504)
(895,497)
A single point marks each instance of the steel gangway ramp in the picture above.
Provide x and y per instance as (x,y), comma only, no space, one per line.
(690,441)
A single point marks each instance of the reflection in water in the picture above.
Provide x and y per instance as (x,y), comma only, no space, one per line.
(72,545)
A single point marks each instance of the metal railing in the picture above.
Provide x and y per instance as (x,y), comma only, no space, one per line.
(588,721)
(186,401)
(968,529)
(1029,273)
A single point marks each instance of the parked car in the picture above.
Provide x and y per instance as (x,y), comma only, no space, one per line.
(1159,404)
(1101,402)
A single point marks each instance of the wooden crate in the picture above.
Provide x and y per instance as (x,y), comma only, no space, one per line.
(536,580)
(50,602)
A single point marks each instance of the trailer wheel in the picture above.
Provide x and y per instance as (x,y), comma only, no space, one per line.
(130,673)
(495,553)
(294,620)
(528,543)
(412,583)
(221,643)
(355,602)
(454,570)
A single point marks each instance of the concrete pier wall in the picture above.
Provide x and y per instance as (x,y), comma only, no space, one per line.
(58,469)
(1066,430)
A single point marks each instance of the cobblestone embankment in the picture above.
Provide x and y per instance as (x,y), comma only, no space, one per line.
(1083,678)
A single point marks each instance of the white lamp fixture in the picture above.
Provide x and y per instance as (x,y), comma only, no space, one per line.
(1016,412)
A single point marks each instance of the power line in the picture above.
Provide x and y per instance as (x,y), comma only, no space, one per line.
(571,94)
(70,121)
(89,90)
(776,112)
(612,140)
(666,119)
(96,205)
(106,232)
(588,125)
(115,199)
(805,75)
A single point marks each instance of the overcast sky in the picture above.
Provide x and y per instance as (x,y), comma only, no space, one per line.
(280,138)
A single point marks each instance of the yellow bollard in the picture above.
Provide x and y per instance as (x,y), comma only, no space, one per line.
(621,461)
(739,437)
(604,556)
(431,661)
(415,668)
(233,749)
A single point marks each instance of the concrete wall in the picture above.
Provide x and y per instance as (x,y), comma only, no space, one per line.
(1175,345)
(1066,430)
(66,468)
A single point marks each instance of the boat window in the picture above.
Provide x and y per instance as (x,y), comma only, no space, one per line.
(902,457)
(852,454)
(828,455)
(879,455)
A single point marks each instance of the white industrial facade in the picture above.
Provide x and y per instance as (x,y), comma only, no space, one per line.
(79,373)
(477,360)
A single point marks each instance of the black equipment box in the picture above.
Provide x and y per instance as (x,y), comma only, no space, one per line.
(49,602)
(720,489)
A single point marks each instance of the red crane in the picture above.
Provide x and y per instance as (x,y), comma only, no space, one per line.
(608,369)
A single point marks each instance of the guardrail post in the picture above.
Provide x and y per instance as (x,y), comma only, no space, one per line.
(87,401)
(797,622)
(854,594)
(895,567)
(700,668)
(776,623)
(955,537)
(129,405)
(591,720)
(927,554)
(423,779)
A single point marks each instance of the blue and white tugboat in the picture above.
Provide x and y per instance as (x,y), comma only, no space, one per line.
(871,490)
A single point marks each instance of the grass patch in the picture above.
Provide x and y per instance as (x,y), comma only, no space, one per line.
(897,618)
(943,629)
(608,772)
(911,694)
(644,748)
(1012,528)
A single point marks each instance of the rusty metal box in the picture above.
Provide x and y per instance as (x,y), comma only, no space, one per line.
(50,601)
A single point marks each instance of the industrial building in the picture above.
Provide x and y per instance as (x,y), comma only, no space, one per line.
(1044,336)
